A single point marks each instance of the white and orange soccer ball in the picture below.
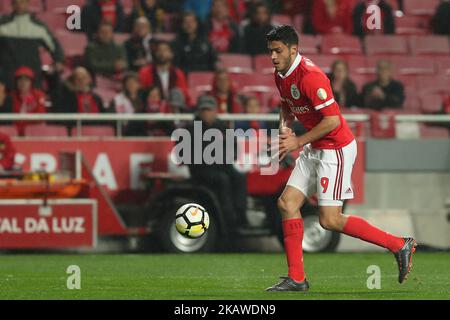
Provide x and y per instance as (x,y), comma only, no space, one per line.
(192,220)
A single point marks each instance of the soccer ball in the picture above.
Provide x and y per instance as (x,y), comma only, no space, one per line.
(192,220)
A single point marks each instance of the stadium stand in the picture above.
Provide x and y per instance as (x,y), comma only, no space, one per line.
(45,130)
(340,44)
(421,60)
(236,63)
(429,45)
(386,44)
(420,7)
(93,131)
(9,130)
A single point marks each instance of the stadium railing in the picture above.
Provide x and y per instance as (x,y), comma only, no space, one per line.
(119,119)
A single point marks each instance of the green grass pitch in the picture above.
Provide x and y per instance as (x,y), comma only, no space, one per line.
(217,276)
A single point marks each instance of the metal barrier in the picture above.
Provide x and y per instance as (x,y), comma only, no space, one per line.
(120,118)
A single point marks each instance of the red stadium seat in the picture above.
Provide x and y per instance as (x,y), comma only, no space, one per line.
(412,104)
(359,65)
(73,43)
(386,44)
(411,25)
(433,132)
(414,66)
(60,6)
(431,103)
(254,79)
(361,79)
(442,65)
(340,44)
(45,130)
(309,44)
(263,64)
(200,80)
(429,45)
(280,19)
(433,84)
(94,131)
(9,130)
(298,23)
(420,7)
(236,63)
(324,62)
(53,20)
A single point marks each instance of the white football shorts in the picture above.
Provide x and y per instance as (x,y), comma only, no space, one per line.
(326,173)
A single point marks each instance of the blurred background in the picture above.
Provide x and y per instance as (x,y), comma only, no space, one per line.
(90,95)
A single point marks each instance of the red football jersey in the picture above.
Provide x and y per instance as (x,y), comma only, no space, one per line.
(306,92)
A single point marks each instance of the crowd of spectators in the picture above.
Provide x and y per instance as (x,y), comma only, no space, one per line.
(153,71)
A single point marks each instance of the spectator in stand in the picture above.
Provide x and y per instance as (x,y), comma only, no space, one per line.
(5,99)
(225,94)
(193,51)
(344,89)
(139,45)
(21,37)
(332,16)
(154,102)
(7,153)
(131,99)
(384,92)
(103,55)
(149,9)
(222,31)
(254,33)
(440,23)
(201,9)
(97,11)
(163,73)
(175,104)
(26,98)
(360,18)
(251,106)
(77,96)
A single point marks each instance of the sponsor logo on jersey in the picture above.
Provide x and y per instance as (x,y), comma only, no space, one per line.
(300,109)
(349,190)
(295,92)
(322,94)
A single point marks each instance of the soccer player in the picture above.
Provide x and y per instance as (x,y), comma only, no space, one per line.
(324,167)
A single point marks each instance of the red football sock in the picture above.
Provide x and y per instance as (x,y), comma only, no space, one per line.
(359,228)
(293,237)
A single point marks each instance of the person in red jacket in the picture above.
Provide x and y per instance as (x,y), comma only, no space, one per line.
(164,74)
(332,16)
(7,153)
(26,98)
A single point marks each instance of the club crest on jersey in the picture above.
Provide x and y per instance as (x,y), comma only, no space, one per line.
(295,92)
(322,94)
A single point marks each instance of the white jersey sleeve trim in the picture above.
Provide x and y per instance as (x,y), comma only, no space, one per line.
(325,104)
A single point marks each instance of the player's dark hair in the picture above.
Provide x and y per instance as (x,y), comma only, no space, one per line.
(283,33)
